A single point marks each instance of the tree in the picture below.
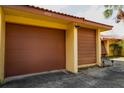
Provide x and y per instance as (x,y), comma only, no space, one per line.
(109,10)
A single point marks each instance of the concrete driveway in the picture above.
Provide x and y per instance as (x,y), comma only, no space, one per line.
(95,77)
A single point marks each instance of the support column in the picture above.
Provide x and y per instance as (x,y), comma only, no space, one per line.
(71,49)
(107,47)
(98,48)
(2,44)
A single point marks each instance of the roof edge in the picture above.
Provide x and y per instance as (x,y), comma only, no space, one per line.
(48,10)
(108,27)
(51,13)
(98,23)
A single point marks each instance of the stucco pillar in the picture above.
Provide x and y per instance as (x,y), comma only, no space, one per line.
(2,44)
(107,47)
(71,49)
(98,48)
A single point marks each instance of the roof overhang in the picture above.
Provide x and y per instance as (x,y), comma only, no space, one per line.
(54,16)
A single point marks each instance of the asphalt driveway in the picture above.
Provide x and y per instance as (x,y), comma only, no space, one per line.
(95,77)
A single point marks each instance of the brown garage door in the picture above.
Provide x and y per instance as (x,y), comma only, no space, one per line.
(32,49)
(86,46)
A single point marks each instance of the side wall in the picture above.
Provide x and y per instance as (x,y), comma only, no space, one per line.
(2,44)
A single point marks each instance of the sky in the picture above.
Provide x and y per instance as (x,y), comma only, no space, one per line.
(91,12)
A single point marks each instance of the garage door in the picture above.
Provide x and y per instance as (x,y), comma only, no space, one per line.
(86,46)
(32,49)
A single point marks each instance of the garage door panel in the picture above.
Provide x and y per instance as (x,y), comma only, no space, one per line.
(32,49)
(89,36)
(86,46)
(85,41)
(87,55)
(86,61)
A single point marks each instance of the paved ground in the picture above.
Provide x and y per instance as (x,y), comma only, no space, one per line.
(95,77)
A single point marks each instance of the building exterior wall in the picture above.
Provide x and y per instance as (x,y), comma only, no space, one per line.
(71,39)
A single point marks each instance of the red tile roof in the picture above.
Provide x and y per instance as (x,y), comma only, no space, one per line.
(36,7)
(82,18)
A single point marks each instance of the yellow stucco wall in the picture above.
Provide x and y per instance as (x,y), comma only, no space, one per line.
(107,47)
(2,43)
(34,22)
(71,49)
(98,48)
